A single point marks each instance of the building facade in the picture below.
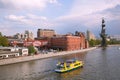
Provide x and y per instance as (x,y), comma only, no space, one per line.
(69,42)
(45,33)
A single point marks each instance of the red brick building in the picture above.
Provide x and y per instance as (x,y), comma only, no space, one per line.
(69,42)
(62,42)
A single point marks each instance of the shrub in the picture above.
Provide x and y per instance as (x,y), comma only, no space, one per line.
(31,50)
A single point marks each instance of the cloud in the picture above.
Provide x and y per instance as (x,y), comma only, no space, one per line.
(15,18)
(90,13)
(35,17)
(68,23)
(30,20)
(84,7)
(26,4)
(113,13)
(86,14)
(81,15)
(18,23)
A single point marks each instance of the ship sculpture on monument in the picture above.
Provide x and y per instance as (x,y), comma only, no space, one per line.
(103,34)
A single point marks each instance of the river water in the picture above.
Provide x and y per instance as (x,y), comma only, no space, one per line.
(100,64)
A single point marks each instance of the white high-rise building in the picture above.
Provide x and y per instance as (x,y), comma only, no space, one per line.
(29,35)
(25,36)
(90,35)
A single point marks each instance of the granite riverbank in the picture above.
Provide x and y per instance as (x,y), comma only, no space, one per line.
(40,56)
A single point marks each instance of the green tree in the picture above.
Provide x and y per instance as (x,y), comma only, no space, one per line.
(3,41)
(113,41)
(97,42)
(31,50)
(94,43)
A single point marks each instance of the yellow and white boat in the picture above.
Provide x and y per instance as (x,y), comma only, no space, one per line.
(68,65)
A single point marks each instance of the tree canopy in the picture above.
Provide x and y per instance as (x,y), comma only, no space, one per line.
(3,40)
(31,50)
(93,43)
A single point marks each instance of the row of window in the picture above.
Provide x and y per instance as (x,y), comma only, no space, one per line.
(8,56)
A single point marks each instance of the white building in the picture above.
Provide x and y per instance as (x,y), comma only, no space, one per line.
(29,35)
(26,35)
(90,35)
(11,49)
(116,37)
(23,51)
(9,52)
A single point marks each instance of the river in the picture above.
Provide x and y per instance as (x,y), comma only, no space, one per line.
(100,64)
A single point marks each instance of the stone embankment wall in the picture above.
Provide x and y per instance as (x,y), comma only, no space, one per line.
(40,56)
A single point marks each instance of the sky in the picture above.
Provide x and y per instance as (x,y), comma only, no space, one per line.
(63,16)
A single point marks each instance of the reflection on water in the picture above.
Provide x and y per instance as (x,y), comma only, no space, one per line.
(99,65)
(72,74)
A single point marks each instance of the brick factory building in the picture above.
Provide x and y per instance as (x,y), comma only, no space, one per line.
(45,33)
(69,42)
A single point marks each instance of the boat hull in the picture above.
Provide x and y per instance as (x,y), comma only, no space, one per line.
(67,70)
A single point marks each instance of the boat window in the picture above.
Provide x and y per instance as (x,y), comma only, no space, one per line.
(76,65)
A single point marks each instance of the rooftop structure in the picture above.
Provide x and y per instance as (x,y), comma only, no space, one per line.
(45,33)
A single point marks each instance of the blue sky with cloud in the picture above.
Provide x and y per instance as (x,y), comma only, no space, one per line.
(61,15)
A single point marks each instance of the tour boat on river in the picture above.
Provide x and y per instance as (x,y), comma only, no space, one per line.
(68,65)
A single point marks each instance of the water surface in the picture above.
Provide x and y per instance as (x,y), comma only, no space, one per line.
(99,65)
